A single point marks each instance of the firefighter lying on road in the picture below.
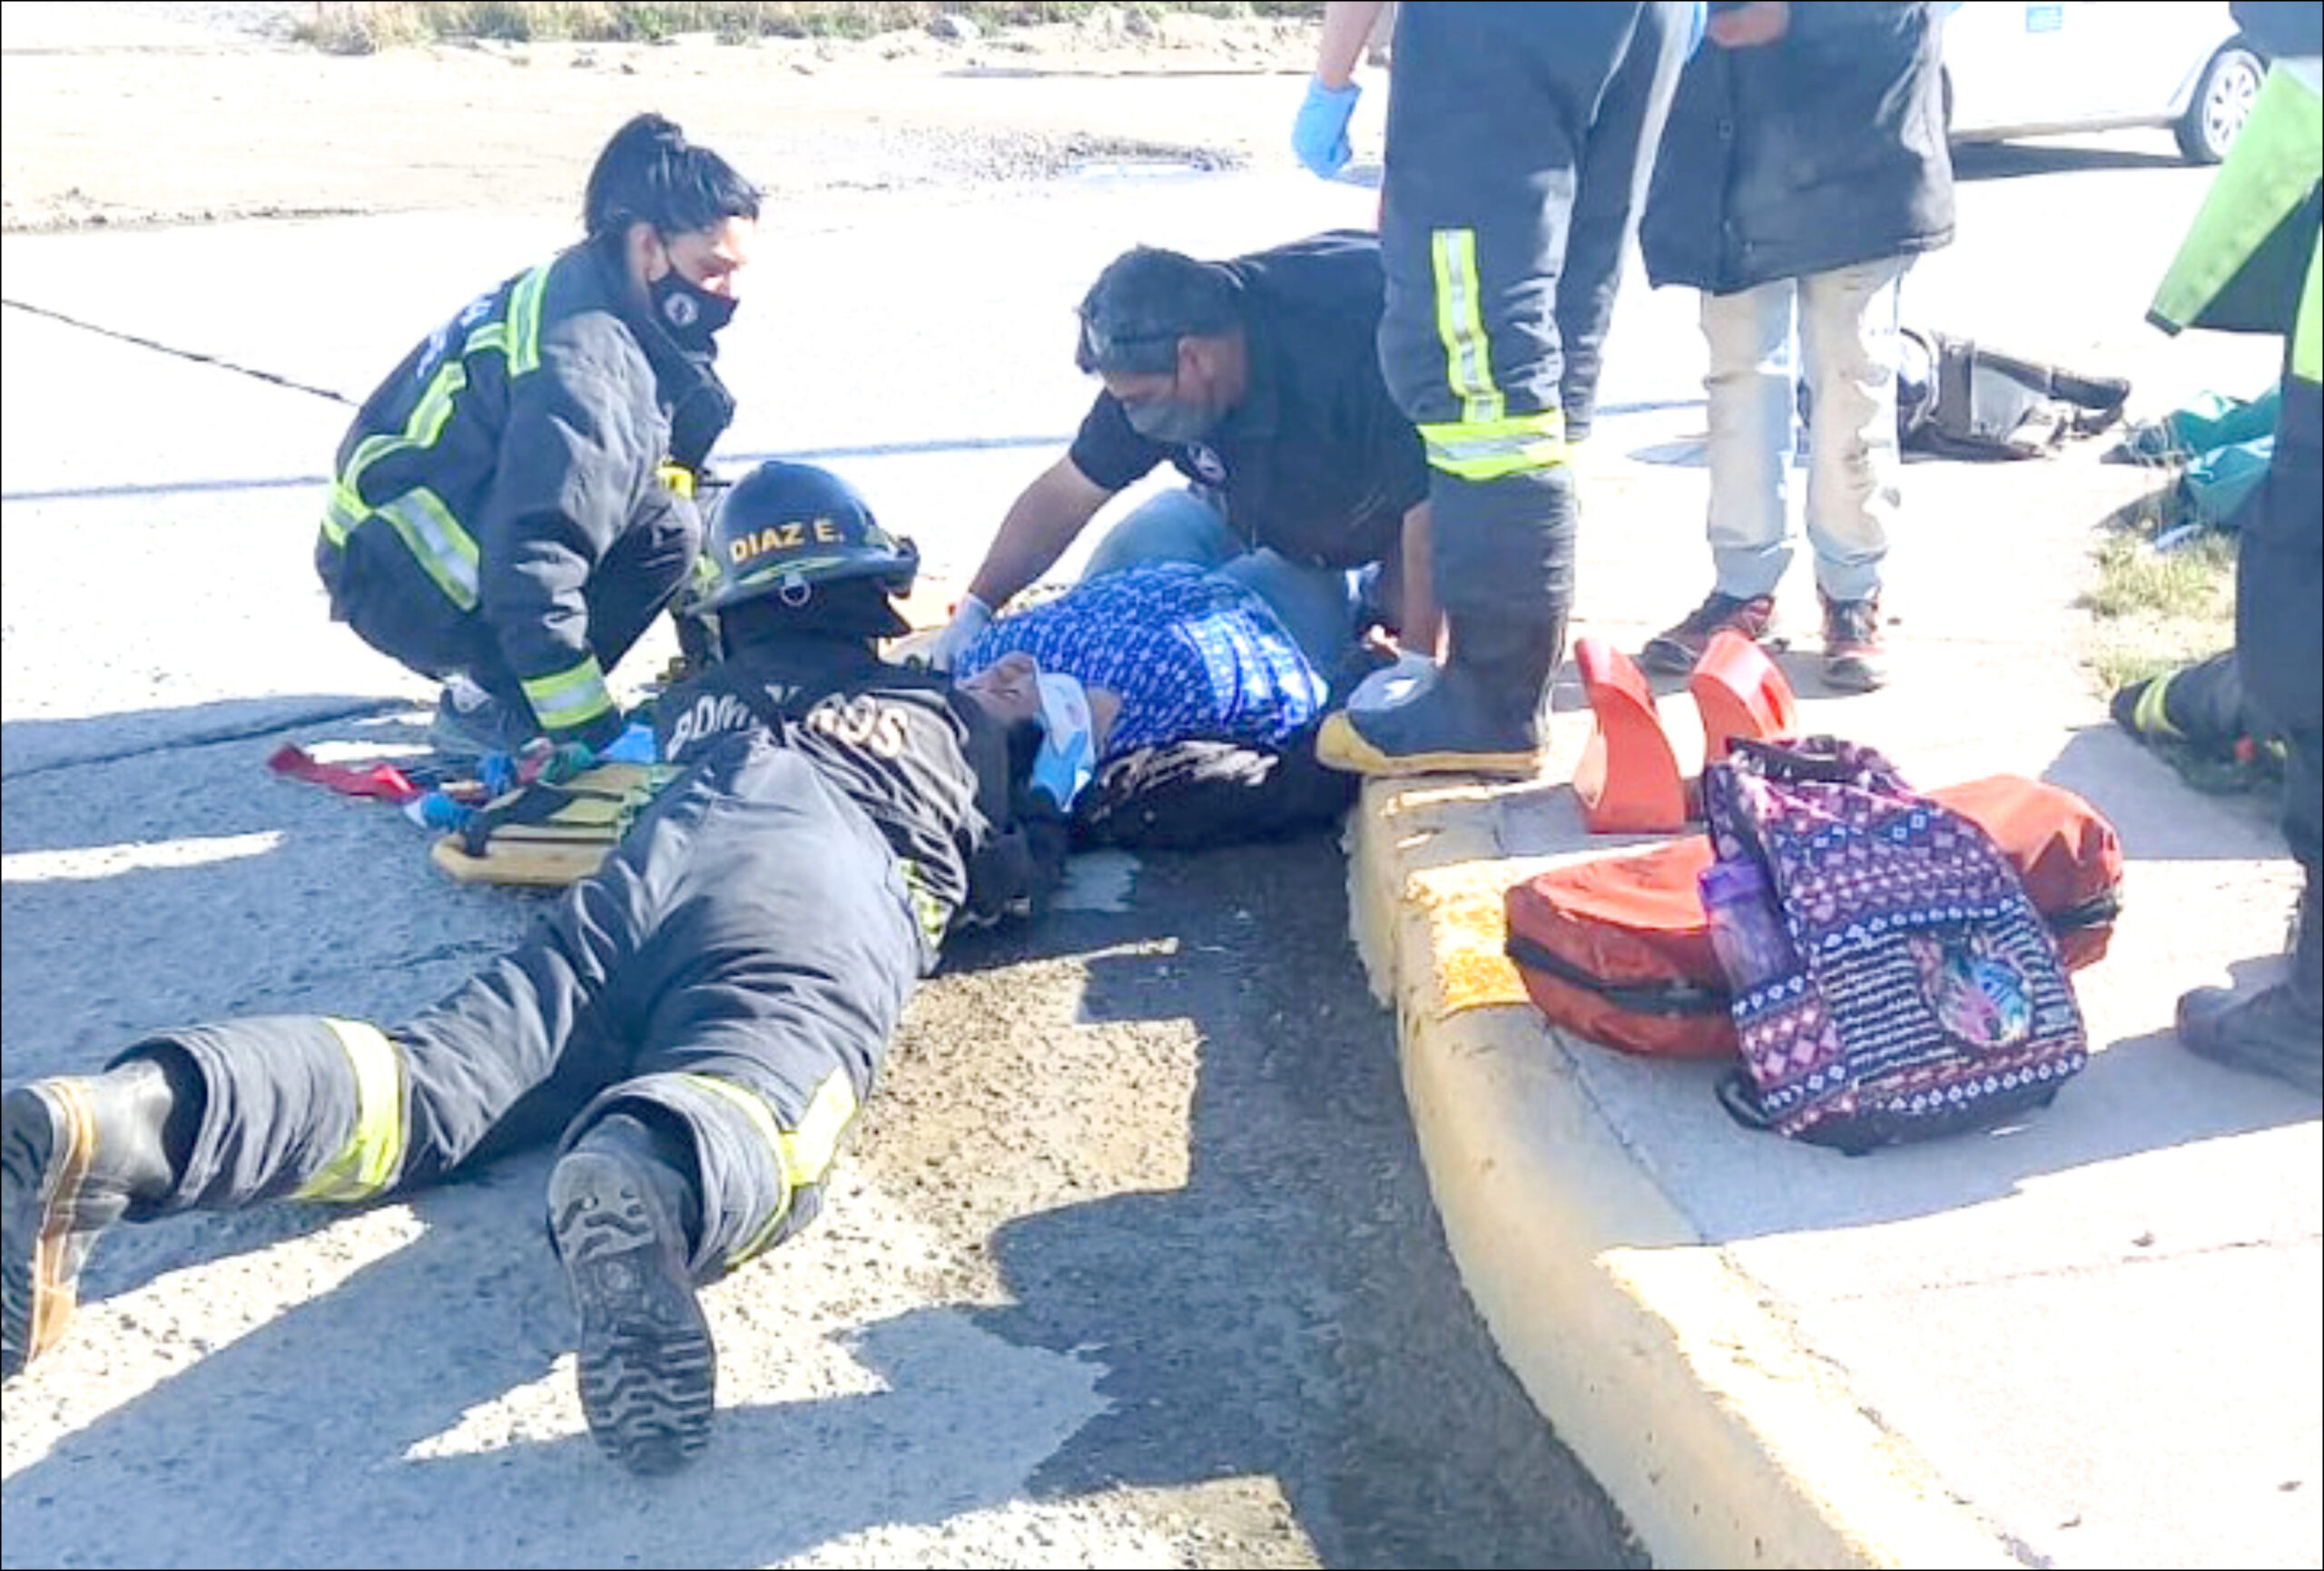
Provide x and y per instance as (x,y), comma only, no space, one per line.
(699,1020)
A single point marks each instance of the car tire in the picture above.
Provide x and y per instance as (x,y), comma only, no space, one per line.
(2221,103)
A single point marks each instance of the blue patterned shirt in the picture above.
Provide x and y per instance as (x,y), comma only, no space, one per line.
(1191,655)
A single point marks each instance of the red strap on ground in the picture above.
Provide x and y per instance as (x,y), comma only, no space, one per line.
(381,782)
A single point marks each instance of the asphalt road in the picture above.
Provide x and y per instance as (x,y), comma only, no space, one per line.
(1132,1263)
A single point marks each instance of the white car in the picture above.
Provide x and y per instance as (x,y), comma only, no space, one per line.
(2061,65)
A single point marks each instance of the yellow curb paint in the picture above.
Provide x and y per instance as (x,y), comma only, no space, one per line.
(1723,1439)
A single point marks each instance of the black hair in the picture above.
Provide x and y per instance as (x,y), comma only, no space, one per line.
(650,173)
(1024,746)
(1144,301)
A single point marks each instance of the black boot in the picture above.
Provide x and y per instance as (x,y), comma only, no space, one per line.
(1482,715)
(74,1155)
(2277,1031)
(620,1204)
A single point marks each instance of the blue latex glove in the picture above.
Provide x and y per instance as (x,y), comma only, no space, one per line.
(498,774)
(541,760)
(635,745)
(1319,134)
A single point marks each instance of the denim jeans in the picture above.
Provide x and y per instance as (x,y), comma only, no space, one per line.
(1316,605)
(1847,345)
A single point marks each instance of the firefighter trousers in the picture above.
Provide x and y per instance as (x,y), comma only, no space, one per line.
(2279,613)
(380,590)
(737,968)
(1521,140)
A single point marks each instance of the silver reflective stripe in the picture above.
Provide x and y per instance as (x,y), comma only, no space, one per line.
(444,549)
(1547,449)
(1460,323)
(573,696)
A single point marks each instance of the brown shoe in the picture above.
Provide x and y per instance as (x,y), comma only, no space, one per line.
(1854,660)
(1674,651)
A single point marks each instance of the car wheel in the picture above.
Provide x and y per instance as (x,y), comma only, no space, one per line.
(2223,103)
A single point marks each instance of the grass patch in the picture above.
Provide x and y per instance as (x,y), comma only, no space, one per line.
(365,28)
(2191,583)
(2155,611)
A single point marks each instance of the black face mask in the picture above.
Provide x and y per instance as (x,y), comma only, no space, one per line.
(692,314)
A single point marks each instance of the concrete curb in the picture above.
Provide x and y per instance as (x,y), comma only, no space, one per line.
(1661,1362)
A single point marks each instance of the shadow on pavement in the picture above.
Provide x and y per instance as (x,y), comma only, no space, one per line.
(1291,1313)
(2016,159)
(31,747)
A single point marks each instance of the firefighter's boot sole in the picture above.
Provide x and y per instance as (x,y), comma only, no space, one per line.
(647,1370)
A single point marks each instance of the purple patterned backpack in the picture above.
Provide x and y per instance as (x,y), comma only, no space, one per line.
(1924,993)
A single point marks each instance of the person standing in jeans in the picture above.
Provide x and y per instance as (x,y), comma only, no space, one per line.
(1803,167)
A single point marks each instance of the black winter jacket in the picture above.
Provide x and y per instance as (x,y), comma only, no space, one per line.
(1822,150)
(508,453)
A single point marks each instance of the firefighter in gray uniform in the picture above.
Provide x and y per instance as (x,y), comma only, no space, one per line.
(696,1024)
(1520,142)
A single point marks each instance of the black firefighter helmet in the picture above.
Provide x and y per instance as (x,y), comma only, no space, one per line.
(794,548)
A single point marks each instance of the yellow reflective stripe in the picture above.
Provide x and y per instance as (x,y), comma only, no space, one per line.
(678,478)
(429,530)
(927,906)
(2307,348)
(804,1155)
(443,547)
(573,696)
(1460,322)
(2147,716)
(445,550)
(426,424)
(1489,449)
(367,1165)
(339,519)
(2277,159)
(524,337)
(809,1150)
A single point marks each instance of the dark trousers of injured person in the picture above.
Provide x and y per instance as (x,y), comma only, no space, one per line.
(732,976)
(1520,142)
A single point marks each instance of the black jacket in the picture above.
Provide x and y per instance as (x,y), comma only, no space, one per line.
(1316,461)
(508,454)
(926,765)
(1822,150)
